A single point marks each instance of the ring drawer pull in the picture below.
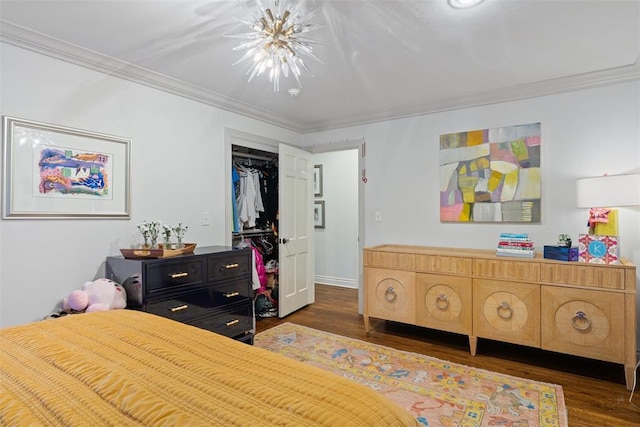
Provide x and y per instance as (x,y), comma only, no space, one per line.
(504,311)
(442,302)
(179,308)
(390,294)
(231,294)
(232,322)
(581,322)
(228,266)
(178,275)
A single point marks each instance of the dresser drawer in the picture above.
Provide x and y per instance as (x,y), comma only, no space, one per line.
(390,294)
(230,265)
(507,311)
(583,322)
(169,275)
(444,264)
(234,321)
(231,292)
(527,271)
(582,274)
(390,260)
(182,306)
(444,302)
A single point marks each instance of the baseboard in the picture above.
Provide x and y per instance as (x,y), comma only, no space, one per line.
(336,281)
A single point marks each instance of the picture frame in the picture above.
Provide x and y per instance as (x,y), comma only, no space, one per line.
(474,189)
(317,180)
(318,214)
(53,171)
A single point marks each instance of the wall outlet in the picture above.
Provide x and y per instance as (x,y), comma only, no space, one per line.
(205,218)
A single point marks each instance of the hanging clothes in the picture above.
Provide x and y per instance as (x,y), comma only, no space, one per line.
(255,191)
(235,182)
(259,273)
(249,201)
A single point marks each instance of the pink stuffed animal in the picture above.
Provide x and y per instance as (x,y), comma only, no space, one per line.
(99,295)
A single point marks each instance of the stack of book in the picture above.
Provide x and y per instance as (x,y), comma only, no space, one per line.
(515,245)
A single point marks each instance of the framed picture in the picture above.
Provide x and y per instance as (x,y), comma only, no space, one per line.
(491,175)
(318,214)
(317,180)
(53,171)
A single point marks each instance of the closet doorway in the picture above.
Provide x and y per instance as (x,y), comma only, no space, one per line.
(291,227)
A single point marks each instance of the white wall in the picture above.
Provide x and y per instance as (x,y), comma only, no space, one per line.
(336,246)
(584,133)
(177,173)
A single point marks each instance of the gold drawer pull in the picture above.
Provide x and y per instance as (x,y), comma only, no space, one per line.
(504,311)
(232,294)
(232,322)
(442,302)
(179,308)
(581,322)
(178,275)
(228,266)
(390,294)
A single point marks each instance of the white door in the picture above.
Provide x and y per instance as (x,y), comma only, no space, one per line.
(295,230)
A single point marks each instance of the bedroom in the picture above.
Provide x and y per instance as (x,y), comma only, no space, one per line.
(586,132)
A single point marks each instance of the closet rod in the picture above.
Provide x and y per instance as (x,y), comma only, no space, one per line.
(251,156)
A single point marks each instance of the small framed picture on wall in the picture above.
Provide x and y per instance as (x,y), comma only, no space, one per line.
(318,214)
(317,180)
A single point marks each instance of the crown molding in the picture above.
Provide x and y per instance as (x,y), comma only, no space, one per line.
(591,80)
(40,43)
(37,42)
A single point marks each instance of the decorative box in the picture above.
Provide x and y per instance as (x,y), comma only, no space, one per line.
(609,228)
(594,249)
(561,253)
(160,252)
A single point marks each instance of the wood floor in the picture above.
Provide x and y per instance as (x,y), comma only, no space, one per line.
(595,394)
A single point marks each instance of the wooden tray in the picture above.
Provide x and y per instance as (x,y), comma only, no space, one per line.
(140,253)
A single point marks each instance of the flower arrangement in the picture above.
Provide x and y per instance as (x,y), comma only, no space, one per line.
(166,232)
(144,230)
(179,232)
(151,230)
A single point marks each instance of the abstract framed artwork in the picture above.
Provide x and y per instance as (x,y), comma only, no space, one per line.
(53,171)
(491,175)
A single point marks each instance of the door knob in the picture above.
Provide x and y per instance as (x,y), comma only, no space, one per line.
(284,240)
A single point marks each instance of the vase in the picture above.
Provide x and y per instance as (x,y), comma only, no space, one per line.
(179,244)
(167,243)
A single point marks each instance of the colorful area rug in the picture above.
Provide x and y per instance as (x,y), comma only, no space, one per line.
(437,392)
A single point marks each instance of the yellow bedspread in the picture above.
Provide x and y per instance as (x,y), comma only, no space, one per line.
(125,367)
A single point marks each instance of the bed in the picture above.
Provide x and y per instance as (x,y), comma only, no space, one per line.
(126,367)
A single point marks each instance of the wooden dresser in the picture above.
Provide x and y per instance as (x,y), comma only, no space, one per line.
(210,288)
(586,310)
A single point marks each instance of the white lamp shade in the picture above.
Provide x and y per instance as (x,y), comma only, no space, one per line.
(608,191)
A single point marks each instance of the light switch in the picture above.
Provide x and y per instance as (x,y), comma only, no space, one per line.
(378,216)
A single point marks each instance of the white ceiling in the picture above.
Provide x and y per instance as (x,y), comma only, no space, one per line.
(381,59)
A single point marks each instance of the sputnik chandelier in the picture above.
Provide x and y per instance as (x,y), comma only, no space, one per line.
(274,45)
